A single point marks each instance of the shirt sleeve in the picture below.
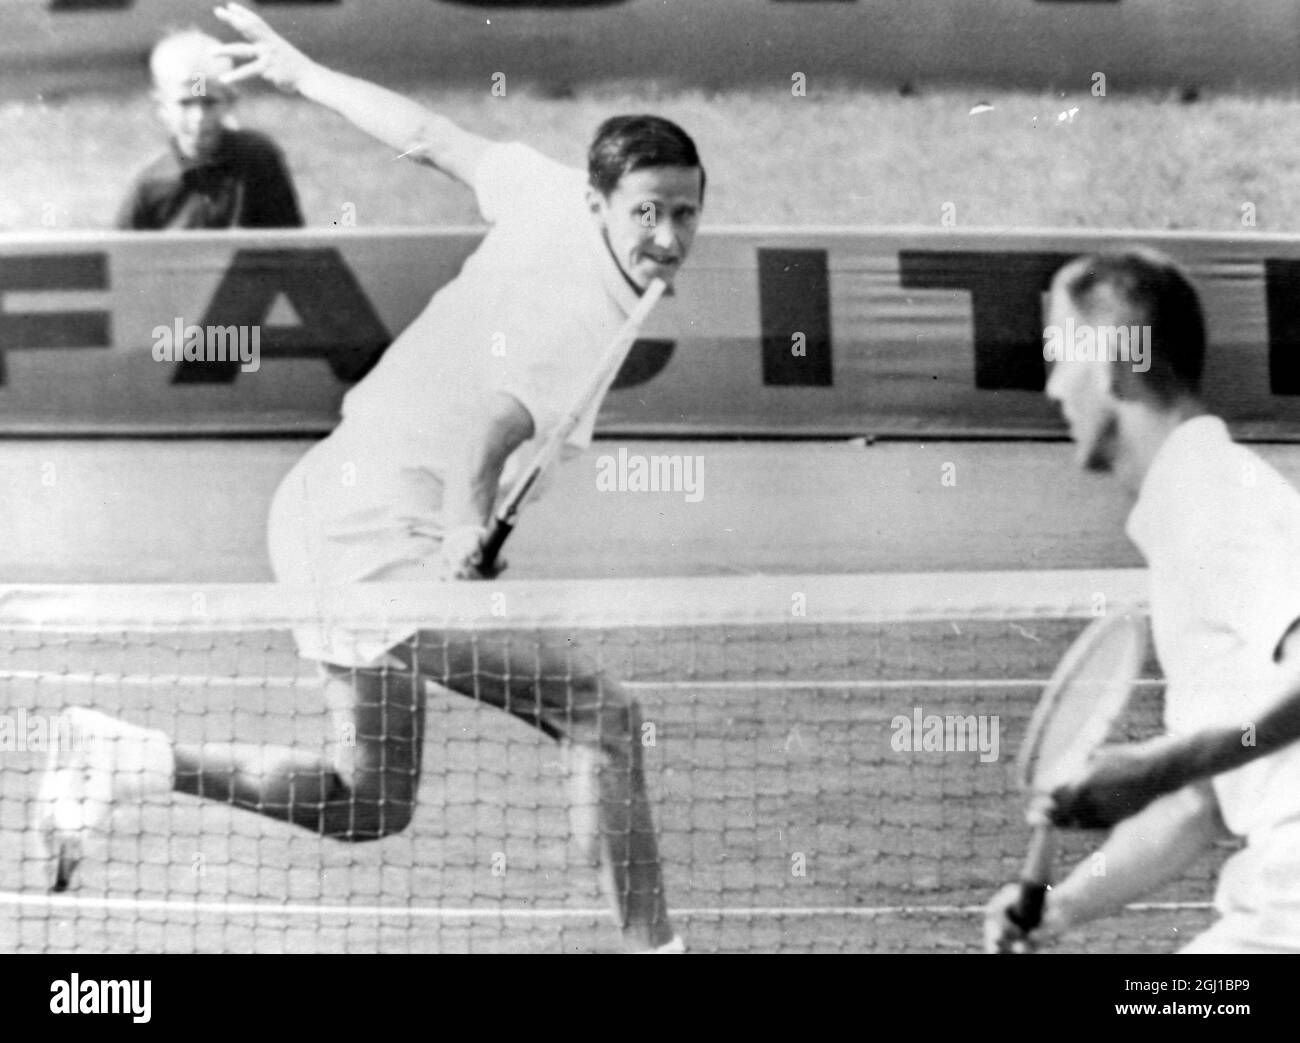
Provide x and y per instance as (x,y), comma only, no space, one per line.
(512,177)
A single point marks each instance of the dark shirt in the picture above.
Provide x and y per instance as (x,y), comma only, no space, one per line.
(245,185)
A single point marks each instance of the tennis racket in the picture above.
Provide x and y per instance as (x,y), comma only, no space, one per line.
(503,522)
(1088,692)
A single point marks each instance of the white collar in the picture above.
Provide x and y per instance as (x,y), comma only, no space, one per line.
(611,274)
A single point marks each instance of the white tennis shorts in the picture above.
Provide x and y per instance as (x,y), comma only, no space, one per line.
(325,530)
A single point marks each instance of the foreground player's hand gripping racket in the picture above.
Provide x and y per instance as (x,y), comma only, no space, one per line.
(1091,688)
(507,514)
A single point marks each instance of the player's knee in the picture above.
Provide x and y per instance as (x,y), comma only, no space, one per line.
(597,700)
(598,715)
(618,726)
(361,821)
(390,818)
(371,805)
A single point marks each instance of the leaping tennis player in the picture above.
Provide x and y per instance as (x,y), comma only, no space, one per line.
(1220,531)
(404,488)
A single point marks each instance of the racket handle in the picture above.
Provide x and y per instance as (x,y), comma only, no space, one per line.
(496,539)
(1027,913)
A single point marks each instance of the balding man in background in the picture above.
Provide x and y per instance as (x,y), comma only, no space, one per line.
(212,175)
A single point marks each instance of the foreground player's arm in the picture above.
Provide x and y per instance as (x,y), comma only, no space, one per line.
(1123,779)
(401,124)
(1142,854)
(472,476)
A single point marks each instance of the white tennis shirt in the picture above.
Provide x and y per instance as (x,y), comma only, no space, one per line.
(530,314)
(1220,530)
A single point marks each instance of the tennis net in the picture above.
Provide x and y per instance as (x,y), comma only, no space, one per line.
(830,761)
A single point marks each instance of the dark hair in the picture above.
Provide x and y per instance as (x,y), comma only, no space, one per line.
(627,143)
(1162,297)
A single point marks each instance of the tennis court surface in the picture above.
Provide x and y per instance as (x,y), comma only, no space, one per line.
(797,812)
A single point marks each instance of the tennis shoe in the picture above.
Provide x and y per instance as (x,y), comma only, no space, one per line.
(673,945)
(94,762)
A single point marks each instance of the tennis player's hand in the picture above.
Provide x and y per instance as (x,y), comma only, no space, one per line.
(462,554)
(1000,934)
(267,53)
(1118,781)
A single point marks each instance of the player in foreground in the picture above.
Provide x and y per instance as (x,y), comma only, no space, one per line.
(1220,531)
(403,489)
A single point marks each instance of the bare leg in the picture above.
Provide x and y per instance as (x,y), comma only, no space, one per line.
(559,692)
(615,830)
(363,789)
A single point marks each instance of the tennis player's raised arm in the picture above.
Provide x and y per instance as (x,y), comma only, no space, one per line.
(400,123)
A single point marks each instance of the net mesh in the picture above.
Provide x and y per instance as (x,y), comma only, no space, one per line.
(830,762)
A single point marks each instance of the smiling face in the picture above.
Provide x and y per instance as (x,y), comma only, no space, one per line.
(649,220)
(1083,391)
